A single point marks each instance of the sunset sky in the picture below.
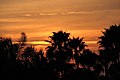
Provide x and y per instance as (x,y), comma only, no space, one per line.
(39,18)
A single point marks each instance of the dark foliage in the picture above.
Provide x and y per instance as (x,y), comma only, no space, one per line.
(65,59)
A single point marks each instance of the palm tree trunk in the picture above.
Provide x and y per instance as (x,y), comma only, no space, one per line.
(59,47)
(76,58)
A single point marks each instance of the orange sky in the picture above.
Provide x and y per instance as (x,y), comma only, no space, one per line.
(39,18)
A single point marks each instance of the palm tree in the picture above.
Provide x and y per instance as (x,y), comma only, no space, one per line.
(59,53)
(88,59)
(77,45)
(27,56)
(39,59)
(7,57)
(110,47)
(58,43)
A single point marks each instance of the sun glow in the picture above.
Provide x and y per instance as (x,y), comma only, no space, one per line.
(91,42)
(47,43)
(38,42)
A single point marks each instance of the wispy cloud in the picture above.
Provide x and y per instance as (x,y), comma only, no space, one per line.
(42,14)
(69,13)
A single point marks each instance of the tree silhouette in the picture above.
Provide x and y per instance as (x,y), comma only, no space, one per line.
(110,48)
(58,53)
(20,61)
(7,58)
(28,55)
(22,39)
(88,59)
(77,45)
(22,46)
(58,43)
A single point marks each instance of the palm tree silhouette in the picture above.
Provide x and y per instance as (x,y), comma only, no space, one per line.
(77,45)
(7,58)
(110,47)
(27,56)
(58,43)
(59,53)
(88,59)
(23,61)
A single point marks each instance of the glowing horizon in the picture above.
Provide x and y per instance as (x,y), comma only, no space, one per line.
(46,43)
(39,18)
(43,44)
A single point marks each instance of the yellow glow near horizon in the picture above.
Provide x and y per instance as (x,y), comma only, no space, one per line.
(39,18)
(38,43)
(44,43)
(47,43)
